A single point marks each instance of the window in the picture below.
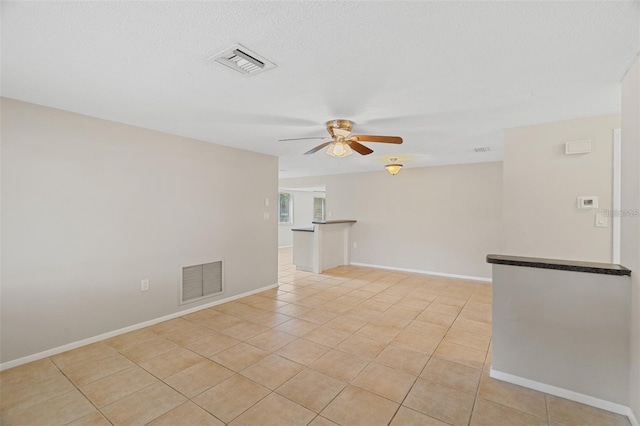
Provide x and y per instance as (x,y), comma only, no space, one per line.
(318,209)
(285,209)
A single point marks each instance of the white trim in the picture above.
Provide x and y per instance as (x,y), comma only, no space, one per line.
(104,336)
(420,271)
(617,179)
(567,394)
(291,245)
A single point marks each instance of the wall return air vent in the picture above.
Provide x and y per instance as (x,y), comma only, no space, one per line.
(242,60)
(200,281)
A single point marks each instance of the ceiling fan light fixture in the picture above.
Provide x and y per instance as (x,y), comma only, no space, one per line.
(393,168)
(339,149)
(343,143)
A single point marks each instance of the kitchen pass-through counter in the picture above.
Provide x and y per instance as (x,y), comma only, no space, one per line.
(324,246)
(563,327)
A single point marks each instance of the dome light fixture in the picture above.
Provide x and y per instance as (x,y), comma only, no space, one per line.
(339,149)
(393,168)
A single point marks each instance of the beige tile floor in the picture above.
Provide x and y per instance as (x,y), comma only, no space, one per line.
(353,346)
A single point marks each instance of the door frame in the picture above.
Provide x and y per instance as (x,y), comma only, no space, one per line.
(617,180)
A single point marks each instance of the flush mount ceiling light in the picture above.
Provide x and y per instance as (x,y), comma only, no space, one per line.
(243,60)
(393,167)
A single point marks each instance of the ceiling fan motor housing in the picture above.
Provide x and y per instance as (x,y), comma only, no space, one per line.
(339,124)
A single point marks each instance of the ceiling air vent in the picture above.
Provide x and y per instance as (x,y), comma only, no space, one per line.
(243,60)
(482,149)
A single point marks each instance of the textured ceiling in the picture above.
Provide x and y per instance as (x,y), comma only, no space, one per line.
(446,76)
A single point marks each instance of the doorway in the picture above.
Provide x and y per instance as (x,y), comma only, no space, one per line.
(298,208)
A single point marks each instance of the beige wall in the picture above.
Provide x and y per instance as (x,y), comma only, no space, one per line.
(541,185)
(438,219)
(91,207)
(630,225)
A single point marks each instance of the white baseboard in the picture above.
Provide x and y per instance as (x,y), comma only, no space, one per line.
(285,246)
(420,271)
(567,394)
(108,335)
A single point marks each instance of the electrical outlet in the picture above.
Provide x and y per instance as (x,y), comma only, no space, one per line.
(144,285)
(355,245)
(265,216)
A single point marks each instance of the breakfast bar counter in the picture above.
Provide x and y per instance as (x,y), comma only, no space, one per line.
(322,247)
(562,327)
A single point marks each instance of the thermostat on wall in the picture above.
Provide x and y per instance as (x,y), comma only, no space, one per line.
(588,202)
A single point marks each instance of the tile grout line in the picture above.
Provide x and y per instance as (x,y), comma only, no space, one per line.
(81,393)
(477,393)
(349,383)
(427,363)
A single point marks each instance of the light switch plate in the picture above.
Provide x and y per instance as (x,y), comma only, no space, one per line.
(266,216)
(601,220)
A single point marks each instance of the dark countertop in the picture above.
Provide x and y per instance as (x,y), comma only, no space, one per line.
(563,265)
(304,229)
(329,222)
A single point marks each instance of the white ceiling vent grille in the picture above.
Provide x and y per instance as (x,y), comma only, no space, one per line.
(482,149)
(200,281)
(243,60)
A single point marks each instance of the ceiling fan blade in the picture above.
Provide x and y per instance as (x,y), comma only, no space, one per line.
(359,148)
(302,139)
(373,138)
(317,148)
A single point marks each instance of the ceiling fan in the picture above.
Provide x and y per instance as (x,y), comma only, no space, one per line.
(342,143)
